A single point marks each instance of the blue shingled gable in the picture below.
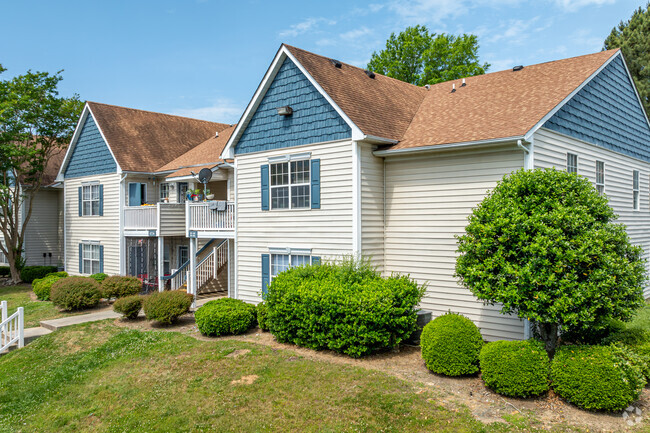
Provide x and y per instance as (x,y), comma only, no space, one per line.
(313,120)
(607,113)
(90,155)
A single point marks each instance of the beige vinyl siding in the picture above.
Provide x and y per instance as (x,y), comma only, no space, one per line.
(327,231)
(372,206)
(550,151)
(105,229)
(42,232)
(428,199)
(172,219)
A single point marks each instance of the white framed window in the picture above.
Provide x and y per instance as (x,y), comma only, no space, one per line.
(182,188)
(290,184)
(3,258)
(90,200)
(600,177)
(282,262)
(571,162)
(90,258)
(164,192)
(635,189)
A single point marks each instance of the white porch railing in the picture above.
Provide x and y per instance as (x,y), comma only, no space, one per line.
(205,269)
(141,217)
(210,217)
(221,253)
(12,328)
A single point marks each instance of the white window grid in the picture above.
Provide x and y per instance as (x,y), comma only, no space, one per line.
(282,262)
(164,191)
(290,185)
(571,163)
(635,189)
(90,200)
(90,258)
(600,177)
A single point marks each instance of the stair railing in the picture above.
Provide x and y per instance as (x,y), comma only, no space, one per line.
(12,328)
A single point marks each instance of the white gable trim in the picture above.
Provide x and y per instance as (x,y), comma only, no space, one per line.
(636,92)
(557,108)
(282,54)
(75,137)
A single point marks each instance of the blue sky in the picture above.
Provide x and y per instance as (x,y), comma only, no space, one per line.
(205,58)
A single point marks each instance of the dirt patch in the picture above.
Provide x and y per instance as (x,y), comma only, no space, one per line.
(237,353)
(245,380)
(406,364)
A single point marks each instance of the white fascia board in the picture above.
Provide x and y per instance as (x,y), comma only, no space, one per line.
(119,169)
(557,108)
(73,142)
(437,147)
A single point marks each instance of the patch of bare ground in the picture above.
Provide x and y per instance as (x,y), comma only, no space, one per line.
(456,393)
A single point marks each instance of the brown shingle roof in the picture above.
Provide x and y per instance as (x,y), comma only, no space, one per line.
(379,106)
(52,167)
(144,141)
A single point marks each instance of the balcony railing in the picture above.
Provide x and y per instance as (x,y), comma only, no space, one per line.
(211,216)
(141,217)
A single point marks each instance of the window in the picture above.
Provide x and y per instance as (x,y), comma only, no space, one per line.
(164,192)
(182,191)
(290,185)
(183,254)
(90,200)
(600,177)
(282,262)
(635,189)
(571,163)
(3,258)
(90,259)
(137,194)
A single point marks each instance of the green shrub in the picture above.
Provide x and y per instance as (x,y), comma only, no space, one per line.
(629,336)
(30,273)
(5,271)
(515,368)
(451,345)
(129,306)
(594,334)
(75,293)
(166,307)
(119,287)
(262,316)
(99,277)
(225,316)
(595,377)
(347,308)
(643,352)
(42,286)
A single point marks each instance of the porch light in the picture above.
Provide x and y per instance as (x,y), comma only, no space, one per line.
(285,111)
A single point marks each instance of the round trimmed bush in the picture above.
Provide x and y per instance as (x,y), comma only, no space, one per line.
(262,316)
(42,286)
(451,345)
(99,277)
(119,287)
(643,352)
(634,336)
(75,293)
(225,316)
(129,306)
(166,307)
(595,377)
(61,274)
(30,273)
(515,368)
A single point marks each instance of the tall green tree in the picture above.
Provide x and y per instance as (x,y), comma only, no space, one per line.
(35,123)
(419,57)
(633,38)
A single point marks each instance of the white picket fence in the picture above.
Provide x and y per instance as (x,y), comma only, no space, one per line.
(12,328)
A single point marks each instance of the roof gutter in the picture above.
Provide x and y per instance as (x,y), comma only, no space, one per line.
(448,146)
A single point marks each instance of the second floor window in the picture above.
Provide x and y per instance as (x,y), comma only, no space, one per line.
(290,185)
(90,200)
(571,162)
(164,192)
(635,189)
(600,177)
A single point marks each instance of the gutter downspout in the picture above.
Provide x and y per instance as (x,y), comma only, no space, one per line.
(529,164)
(122,194)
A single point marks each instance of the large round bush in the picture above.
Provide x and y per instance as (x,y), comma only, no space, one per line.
(451,345)
(30,273)
(515,368)
(42,286)
(118,287)
(262,316)
(544,244)
(225,316)
(166,307)
(128,306)
(595,377)
(75,293)
(344,307)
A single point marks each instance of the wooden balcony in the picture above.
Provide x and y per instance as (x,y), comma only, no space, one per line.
(162,219)
(211,219)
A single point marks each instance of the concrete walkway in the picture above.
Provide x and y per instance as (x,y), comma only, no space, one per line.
(55,324)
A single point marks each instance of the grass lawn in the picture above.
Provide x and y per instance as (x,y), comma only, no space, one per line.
(99,377)
(642,318)
(35,311)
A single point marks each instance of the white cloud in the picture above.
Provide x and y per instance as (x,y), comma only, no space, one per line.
(513,30)
(355,34)
(574,5)
(305,26)
(584,38)
(418,11)
(500,64)
(222,110)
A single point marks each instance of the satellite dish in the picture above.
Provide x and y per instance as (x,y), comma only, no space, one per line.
(205,175)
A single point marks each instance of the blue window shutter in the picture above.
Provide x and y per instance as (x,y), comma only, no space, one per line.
(101,259)
(264,170)
(315,183)
(81,261)
(266,274)
(101,200)
(315,260)
(80,203)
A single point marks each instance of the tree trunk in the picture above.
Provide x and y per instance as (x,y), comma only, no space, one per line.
(15,272)
(549,334)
